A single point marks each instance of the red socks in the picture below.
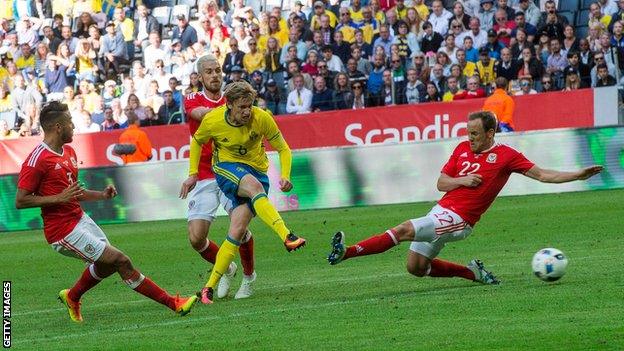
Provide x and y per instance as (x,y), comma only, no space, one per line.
(441,268)
(246,251)
(373,245)
(87,280)
(148,288)
(210,252)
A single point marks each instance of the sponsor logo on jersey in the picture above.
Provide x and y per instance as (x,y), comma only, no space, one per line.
(465,154)
(491,158)
(73,161)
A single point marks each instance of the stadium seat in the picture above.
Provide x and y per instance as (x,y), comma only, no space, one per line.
(569,5)
(569,15)
(162,14)
(583,18)
(582,31)
(585,4)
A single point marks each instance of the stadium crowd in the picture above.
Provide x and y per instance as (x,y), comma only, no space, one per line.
(109,59)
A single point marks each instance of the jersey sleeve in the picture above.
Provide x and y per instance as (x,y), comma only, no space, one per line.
(189,104)
(450,168)
(30,178)
(202,135)
(519,163)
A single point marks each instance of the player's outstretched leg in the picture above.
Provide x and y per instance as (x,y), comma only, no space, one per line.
(246,251)
(144,285)
(251,188)
(372,245)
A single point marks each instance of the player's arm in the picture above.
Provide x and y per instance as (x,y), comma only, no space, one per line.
(447,183)
(26,198)
(201,136)
(552,176)
(93,195)
(277,141)
(198,113)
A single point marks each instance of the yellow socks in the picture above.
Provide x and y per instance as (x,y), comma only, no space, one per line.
(225,256)
(269,215)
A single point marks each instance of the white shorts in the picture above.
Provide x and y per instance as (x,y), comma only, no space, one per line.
(448,226)
(86,242)
(204,201)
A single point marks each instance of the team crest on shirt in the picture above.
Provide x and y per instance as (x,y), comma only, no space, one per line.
(253,135)
(73,161)
(491,158)
(191,204)
(90,249)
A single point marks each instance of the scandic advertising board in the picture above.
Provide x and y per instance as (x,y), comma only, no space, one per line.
(392,124)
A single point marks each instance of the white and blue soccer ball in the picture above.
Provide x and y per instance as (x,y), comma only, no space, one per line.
(549,264)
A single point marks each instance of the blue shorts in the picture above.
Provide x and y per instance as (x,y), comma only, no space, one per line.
(229,174)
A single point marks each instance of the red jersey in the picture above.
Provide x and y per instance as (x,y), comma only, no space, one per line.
(191,102)
(46,173)
(494,165)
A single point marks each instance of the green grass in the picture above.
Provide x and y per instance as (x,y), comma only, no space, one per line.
(369,303)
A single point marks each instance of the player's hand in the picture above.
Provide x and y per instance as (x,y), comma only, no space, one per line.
(72,192)
(472,180)
(110,192)
(285,185)
(187,186)
(589,172)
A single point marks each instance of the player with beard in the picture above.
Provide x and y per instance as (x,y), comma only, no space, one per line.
(201,188)
(49,179)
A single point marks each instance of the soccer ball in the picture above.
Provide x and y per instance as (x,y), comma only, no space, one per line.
(549,264)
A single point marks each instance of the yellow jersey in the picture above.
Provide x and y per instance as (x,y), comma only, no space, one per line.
(241,144)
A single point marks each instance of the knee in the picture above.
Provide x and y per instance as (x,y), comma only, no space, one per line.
(122,261)
(417,270)
(404,231)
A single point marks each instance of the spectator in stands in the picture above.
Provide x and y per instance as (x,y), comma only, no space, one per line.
(474,91)
(604,78)
(185,33)
(324,72)
(341,48)
(79,114)
(375,79)
(597,16)
(509,12)
(41,58)
(486,15)
(502,105)
(68,39)
(493,45)
(152,97)
(28,30)
(274,98)
(433,94)
(459,16)
(233,58)
(440,18)
(134,105)
(29,124)
(457,73)
(26,59)
(333,62)
(88,94)
(414,88)
(161,76)
(293,41)
(173,87)
(431,40)
(521,22)
(583,70)
(137,137)
(86,64)
(6,102)
(385,39)
(5,132)
(353,73)
(300,98)
(68,97)
(617,16)
(49,39)
(550,9)
(366,49)
(118,114)
(556,62)
(530,10)
(552,26)
(572,79)
(526,85)
(529,65)
(342,91)
(570,41)
(617,42)
(519,44)
(360,98)
(257,82)
(309,66)
(547,84)
(154,51)
(506,67)
(293,70)
(24,95)
(97,115)
(55,80)
(585,54)
(452,88)
(88,125)
(113,50)
(254,59)
(167,110)
(390,94)
(110,92)
(144,25)
(322,97)
(84,22)
(472,54)
(109,122)
(485,67)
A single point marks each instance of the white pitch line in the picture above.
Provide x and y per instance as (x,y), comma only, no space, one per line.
(270,287)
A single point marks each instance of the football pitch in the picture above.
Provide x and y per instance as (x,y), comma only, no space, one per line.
(368,303)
